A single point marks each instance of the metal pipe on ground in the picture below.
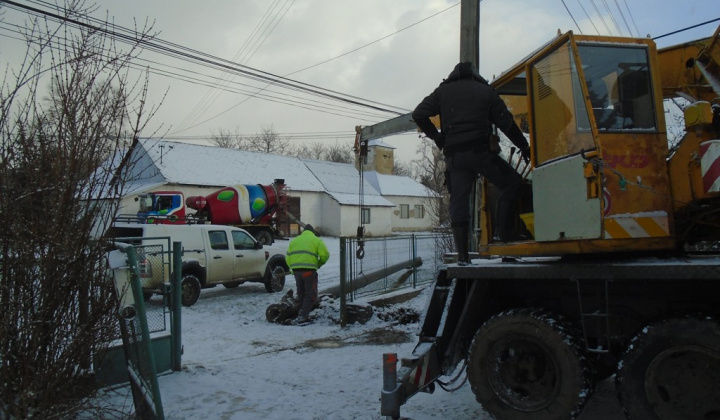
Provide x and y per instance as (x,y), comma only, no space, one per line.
(288,307)
(374,276)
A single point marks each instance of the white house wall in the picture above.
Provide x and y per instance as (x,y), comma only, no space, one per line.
(412,223)
(311,209)
(380,221)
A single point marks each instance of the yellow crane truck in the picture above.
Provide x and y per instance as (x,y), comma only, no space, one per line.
(619,274)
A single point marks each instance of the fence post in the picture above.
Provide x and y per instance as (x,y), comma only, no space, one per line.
(343,275)
(413,238)
(154,392)
(176,307)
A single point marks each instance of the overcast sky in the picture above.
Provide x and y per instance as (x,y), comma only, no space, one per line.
(397,69)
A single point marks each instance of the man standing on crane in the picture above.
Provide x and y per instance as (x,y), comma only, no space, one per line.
(468,107)
(305,254)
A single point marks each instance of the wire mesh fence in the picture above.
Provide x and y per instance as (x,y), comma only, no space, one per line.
(153,266)
(135,331)
(381,265)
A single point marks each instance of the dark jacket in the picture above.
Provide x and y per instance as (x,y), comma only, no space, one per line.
(468,106)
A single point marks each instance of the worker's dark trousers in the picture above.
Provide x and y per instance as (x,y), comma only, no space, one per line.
(464,168)
(306,282)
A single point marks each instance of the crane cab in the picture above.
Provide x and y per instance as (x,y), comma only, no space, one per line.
(597,180)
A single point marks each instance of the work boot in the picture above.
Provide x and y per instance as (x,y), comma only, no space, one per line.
(461,236)
(300,321)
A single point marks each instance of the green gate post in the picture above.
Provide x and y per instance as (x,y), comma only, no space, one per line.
(176,306)
(144,332)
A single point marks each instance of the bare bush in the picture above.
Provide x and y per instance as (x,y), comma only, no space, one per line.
(58,304)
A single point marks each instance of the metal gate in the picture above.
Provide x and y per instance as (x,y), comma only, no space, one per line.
(372,266)
(135,329)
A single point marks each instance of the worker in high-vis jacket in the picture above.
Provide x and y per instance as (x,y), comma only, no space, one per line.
(305,254)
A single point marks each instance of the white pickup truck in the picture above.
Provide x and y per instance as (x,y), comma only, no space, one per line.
(212,255)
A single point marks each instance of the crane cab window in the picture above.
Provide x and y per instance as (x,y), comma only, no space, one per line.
(560,113)
(619,87)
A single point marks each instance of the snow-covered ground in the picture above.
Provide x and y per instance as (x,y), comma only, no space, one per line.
(237,365)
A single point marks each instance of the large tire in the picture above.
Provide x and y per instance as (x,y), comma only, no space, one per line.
(265,237)
(275,275)
(526,364)
(190,287)
(671,370)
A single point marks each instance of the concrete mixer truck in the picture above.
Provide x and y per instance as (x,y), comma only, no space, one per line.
(259,209)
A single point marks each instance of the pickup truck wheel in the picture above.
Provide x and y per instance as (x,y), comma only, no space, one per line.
(190,290)
(527,364)
(265,237)
(671,370)
(275,277)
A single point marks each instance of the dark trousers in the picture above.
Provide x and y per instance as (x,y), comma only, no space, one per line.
(464,168)
(306,283)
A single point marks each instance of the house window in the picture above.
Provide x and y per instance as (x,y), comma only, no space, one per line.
(419,211)
(404,211)
(365,215)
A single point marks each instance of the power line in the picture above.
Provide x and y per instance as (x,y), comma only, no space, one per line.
(320,63)
(622,15)
(612,17)
(607,28)
(632,18)
(187,54)
(373,42)
(588,17)
(211,96)
(685,29)
(571,16)
(198,79)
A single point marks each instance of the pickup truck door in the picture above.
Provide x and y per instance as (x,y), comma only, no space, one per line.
(220,258)
(249,260)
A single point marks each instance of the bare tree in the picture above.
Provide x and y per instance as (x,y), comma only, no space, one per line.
(227,139)
(401,168)
(314,150)
(429,170)
(268,141)
(339,153)
(58,306)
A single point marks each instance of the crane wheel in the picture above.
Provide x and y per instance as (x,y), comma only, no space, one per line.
(671,370)
(526,364)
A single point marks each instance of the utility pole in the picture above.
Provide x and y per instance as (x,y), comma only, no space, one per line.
(470,32)
(469,51)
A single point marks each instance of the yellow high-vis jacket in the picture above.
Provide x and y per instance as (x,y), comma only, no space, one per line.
(306,252)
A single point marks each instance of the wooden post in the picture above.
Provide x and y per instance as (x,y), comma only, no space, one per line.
(470,32)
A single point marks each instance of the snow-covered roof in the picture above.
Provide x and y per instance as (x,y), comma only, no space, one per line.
(342,181)
(397,185)
(379,142)
(192,164)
